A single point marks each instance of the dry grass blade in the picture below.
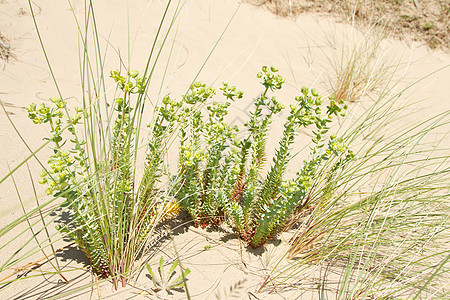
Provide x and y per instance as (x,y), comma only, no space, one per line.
(234,291)
(359,64)
(5,50)
(35,263)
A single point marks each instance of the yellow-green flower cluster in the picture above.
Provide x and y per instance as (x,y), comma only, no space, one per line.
(336,145)
(271,81)
(231,92)
(198,93)
(289,187)
(58,175)
(191,155)
(133,84)
(43,113)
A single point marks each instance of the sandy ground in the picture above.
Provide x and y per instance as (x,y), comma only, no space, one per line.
(424,20)
(300,49)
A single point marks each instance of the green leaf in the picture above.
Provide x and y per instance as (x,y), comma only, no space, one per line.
(150,271)
(180,280)
(172,270)
(161,270)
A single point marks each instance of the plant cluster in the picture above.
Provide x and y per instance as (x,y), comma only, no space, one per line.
(378,217)
(220,175)
(112,212)
(379,220)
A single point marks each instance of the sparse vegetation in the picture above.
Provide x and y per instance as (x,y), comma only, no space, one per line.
(426,20)
(360,66)
(111,215)
(382,217)
(111,211)
(166,282)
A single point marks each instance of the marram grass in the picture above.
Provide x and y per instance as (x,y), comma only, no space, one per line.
(110,211)
(377,225)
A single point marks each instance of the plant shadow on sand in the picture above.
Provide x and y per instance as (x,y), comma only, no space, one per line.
(178,228)
(220,234)
(70,258)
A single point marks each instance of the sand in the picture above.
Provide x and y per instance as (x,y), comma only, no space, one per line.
(299,48)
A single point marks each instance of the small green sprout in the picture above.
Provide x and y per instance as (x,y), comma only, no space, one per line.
(164,281)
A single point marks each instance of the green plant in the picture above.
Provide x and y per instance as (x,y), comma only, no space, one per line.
(382,214)
(200,172)
(223,176)
(165,282)
(112,207)
(380,220)
(112,215)
(100,191)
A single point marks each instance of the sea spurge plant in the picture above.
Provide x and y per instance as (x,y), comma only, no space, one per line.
(60,176)
(254,145)
(220,175)
(205,154)
(272,203)
(112,212)
(126,84)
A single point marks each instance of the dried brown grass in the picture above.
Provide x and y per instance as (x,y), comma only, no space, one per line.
(424,20)
(5,49)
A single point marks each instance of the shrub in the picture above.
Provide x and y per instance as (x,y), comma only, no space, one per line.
(219,174)
(112,213)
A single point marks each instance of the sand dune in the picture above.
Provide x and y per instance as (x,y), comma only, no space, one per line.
(301,49)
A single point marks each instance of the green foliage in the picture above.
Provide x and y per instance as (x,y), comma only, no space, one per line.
(219,174)
(165,282)
(112,213)
(269,205)
(206,154)
(378,218)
